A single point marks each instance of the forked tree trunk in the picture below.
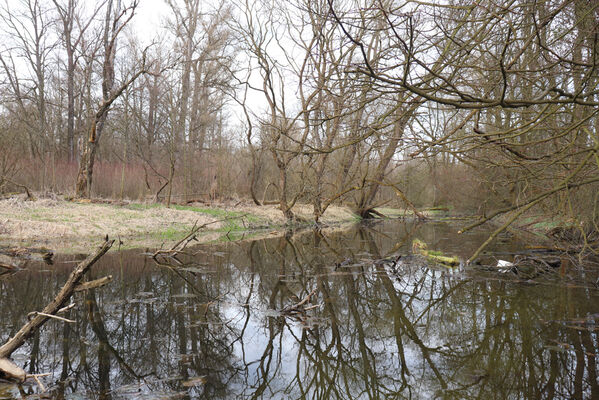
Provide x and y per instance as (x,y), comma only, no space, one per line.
(88,157)
(365,206)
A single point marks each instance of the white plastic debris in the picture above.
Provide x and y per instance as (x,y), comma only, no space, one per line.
(504,264)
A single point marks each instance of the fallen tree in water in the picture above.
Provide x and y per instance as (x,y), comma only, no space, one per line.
(13,258)
(10,370)
(419,247)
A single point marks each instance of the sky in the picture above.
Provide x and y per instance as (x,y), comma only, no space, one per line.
(149,19)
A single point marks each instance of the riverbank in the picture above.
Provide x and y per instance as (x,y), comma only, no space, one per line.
(75,226)
(70,226)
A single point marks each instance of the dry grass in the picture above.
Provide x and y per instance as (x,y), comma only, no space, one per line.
(72,226)
(273,215)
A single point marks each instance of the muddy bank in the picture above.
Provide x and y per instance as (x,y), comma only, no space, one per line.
(73,226)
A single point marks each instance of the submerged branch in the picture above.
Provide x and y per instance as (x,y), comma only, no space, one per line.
(299,307)
(191,236)
(7,367)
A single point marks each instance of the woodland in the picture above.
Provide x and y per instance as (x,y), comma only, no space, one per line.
(483,107)
(486,108)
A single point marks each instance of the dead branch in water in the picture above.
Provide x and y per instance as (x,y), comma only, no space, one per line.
(93,284)
(183,243)
(299,307)
(13,258)
(7,367)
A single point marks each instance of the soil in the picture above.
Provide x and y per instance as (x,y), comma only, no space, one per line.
(71,226)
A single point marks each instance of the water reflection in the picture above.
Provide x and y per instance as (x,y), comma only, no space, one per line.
(394,329)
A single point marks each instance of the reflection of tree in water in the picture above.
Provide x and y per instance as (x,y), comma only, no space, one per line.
(150,331)
(380,332)
(421,332)
(506,348)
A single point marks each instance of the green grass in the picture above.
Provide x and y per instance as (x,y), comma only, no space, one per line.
(355,217)
(45,217)
(234,220)
(139,206)
(34,216)
(171,234)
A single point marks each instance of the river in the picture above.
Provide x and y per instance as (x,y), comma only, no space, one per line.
(380,323)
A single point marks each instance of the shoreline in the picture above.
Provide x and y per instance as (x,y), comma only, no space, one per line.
(74,226)
(67,226)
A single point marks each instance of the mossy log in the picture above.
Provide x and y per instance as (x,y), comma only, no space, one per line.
(420,247)
(440,259)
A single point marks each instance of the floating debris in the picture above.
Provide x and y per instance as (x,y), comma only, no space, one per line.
(197,381)
(419,247)
(504,264)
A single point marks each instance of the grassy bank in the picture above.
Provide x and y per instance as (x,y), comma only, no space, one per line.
(67,226)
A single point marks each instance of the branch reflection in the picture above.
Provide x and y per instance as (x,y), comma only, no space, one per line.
(381,324)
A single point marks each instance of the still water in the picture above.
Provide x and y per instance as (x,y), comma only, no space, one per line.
(213,328)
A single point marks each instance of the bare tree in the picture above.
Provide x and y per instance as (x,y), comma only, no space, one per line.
(72,31)
(28,24)
(515,74)
(114,22)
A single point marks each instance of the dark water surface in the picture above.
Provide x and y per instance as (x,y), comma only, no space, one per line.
(374,330)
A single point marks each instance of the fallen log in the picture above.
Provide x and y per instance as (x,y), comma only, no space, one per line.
(14,258)
(10,370)
(4,179)
(7,367)
(197,200)
(419,247)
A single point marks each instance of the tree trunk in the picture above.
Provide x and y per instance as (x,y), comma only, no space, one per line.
(112,28)
(88,157)
(283,205)
(70,106)
(366,203)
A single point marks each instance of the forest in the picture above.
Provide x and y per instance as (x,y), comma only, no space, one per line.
(475,122)
(487,107)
